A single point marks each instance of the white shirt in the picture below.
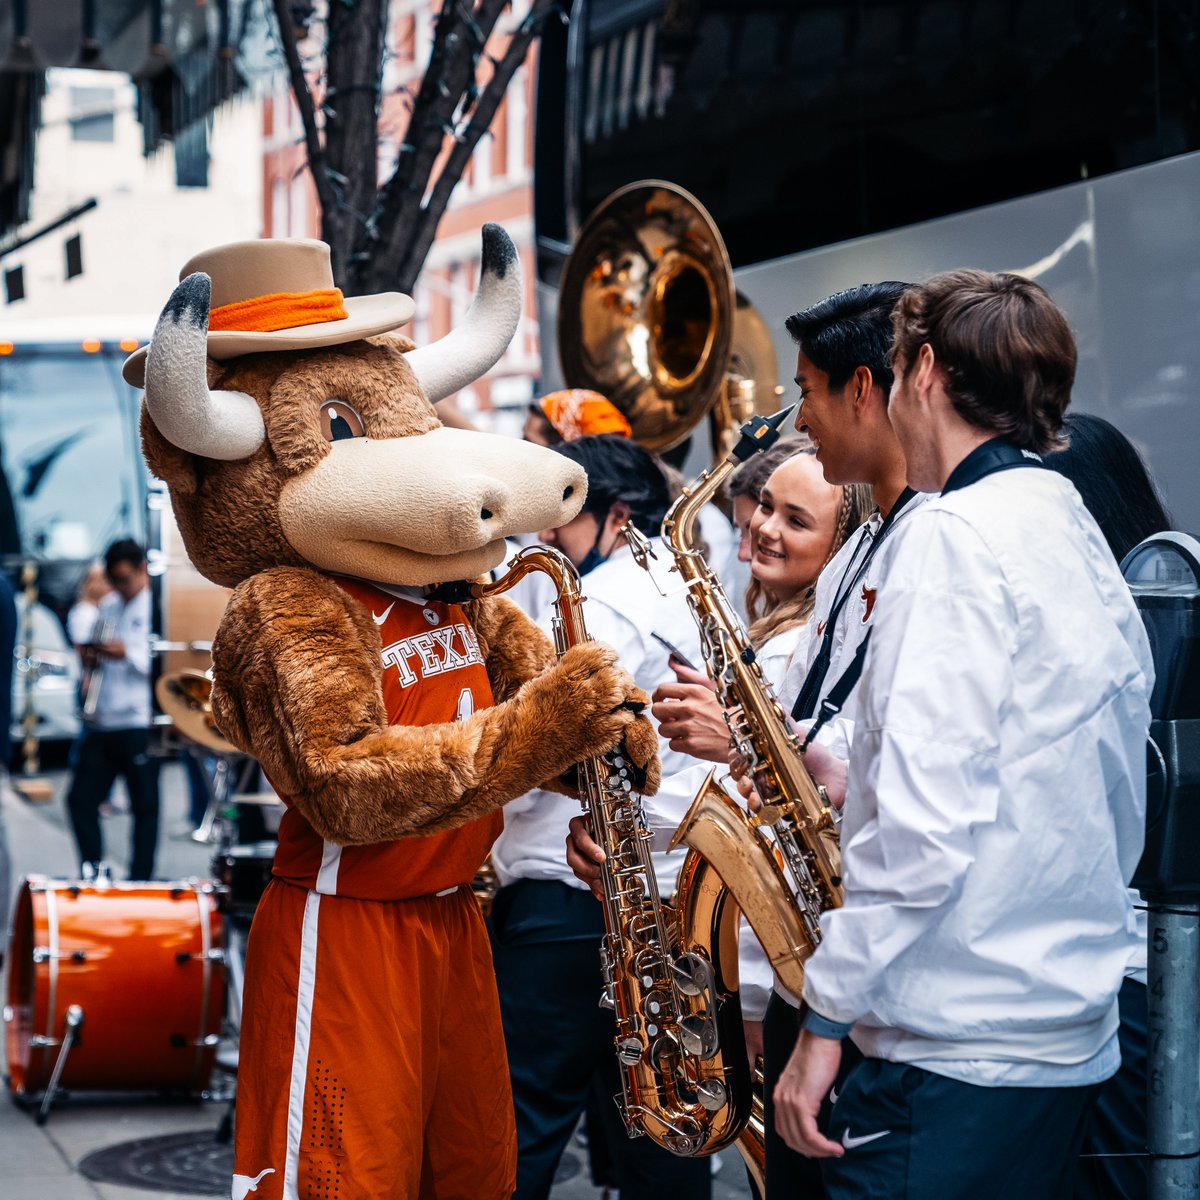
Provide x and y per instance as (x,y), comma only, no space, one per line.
(842,572)
(123,699)
(996,794)
(623,609)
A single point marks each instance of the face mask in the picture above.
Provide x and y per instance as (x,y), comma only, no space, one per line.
(593,558)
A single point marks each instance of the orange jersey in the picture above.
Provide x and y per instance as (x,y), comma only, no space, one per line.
(432,673)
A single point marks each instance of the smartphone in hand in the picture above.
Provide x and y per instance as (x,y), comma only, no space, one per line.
(673,652)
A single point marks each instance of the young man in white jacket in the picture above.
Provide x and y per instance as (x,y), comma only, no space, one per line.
(995,793)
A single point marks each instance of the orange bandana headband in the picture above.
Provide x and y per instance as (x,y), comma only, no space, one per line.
(577,413)
(279,310)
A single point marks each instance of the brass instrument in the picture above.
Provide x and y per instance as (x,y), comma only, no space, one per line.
(782,894)
(676,1012)
(648,317)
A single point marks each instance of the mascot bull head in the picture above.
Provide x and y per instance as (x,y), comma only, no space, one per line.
(286,415)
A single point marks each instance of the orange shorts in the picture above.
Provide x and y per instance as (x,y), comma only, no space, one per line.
(372,1062)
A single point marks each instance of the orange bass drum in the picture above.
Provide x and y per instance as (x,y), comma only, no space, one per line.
(144,963)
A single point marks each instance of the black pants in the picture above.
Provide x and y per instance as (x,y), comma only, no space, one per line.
(546,945)
(102,755)
(788,1173)
(914,1135)
(1114,1164)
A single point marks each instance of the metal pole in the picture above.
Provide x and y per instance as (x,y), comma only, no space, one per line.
(1173,1052)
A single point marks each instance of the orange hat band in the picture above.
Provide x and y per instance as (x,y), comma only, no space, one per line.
(279,310)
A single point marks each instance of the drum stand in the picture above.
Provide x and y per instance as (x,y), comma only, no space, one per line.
(233,772)
(74,1019)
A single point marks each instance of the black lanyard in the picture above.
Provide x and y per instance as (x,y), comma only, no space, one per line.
(806,702)
(986,459)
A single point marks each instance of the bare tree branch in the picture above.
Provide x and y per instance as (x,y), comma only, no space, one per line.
(308,116)
(380,236)
(420,238)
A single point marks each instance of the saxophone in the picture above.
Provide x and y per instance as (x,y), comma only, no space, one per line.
(782,885)
(675,1013)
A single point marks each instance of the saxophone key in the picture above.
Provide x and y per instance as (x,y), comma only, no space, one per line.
(629,1051)
(698,1036)
(712,1094)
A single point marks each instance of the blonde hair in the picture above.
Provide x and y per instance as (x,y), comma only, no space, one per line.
(768,620)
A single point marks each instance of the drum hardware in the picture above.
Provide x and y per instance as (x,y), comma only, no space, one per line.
(103,950)
(42,954)
(215,954)
(74,1021)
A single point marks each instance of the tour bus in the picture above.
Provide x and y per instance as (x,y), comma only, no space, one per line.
(72,481)
(836,144)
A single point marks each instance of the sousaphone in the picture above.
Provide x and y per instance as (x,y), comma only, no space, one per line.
(648,317)
(186,697)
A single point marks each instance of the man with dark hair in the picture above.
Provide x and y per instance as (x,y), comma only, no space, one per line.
(995,794)
(843,370)
(116,733)
(546,927)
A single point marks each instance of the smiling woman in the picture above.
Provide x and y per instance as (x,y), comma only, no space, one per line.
(798,526)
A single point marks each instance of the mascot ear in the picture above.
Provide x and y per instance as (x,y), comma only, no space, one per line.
(175,467)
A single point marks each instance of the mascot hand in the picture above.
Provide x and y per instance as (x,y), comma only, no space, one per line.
(600,705)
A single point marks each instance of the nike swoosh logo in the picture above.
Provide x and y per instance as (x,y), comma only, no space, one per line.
(833,1096)
(379,618)
(851,1142)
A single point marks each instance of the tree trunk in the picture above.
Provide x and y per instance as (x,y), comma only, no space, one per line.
(353,76)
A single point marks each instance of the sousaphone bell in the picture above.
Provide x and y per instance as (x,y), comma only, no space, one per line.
(648,317)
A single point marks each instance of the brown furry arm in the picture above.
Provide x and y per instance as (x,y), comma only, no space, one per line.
(513,647)
(517,650)
(296,664)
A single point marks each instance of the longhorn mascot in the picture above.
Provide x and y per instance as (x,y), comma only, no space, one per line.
(309,472)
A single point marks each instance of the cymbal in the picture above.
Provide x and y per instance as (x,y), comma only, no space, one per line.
(185,696)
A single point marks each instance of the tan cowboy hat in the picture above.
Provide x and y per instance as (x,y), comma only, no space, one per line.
(278,294)
(185,696)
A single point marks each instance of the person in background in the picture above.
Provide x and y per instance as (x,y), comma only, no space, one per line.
(115,740)
(82,615)
(572,413)
(546,928)
(1110,477)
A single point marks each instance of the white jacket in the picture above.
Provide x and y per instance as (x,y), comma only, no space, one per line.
(123,699)
(623,609)
(996,795)
(843,573)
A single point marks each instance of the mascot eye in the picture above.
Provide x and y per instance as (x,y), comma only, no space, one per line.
(339,420)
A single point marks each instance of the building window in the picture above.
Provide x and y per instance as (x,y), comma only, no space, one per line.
(91,114)
(298,208)
(516,103)
(279,209)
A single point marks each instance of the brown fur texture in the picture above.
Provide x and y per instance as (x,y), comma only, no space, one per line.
(296,664)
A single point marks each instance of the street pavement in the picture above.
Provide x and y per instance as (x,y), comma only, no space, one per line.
(43,1162)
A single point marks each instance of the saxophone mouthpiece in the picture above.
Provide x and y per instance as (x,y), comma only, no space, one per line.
(760,433)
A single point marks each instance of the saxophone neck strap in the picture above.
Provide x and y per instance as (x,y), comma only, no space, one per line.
(839,693)
(806,701)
